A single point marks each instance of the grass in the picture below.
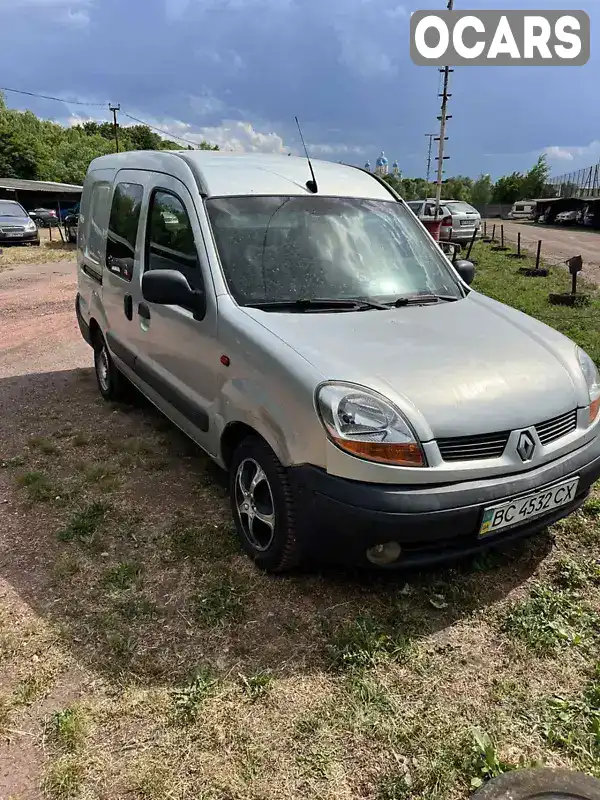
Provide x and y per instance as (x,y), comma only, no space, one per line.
(38,486)
(49,251)
(550,618)
(152,660)
(220,602)
(63,778)
(66,729)
(84,523)
(363,643)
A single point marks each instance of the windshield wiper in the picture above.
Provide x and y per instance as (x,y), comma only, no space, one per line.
(319,303)
(421,299)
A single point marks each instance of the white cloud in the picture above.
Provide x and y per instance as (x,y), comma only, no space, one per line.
(241,137)
(566,153)
(559,153)
(397,13)
(50,4)
(336,149)
(64,12)
(363,56)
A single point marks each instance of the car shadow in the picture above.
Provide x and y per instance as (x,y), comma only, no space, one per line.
(118,533)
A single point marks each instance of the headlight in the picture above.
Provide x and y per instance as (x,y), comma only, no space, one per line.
(31,226)
(592,379)
(365,424)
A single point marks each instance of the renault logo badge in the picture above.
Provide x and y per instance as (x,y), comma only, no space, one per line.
(526,446)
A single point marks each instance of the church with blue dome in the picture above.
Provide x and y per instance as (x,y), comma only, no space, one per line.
(382,167)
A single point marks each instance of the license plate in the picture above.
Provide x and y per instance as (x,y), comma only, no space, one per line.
(466,222)
(13,235)
(514,512)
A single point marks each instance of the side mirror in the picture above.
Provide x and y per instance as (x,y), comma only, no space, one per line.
(466,270)
(168,287)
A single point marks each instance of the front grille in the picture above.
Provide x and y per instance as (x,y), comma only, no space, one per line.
(467,448)
(12,229)
(555,428)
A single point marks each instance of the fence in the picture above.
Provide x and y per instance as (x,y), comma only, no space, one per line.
(582,183)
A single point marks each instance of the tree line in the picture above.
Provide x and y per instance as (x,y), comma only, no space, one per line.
(508,189)
(37,149)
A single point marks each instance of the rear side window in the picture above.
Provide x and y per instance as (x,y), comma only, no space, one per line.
(415,207)
(97,220)
(122,229)
(170,238)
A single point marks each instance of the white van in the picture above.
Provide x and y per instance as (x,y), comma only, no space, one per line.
(523,209)
(313,339)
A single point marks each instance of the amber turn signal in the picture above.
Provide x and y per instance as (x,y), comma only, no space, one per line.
(594,409)
(404,455)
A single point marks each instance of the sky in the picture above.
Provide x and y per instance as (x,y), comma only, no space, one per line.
(236,72)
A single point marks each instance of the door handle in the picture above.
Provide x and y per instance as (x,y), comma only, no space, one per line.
(143,311)
(128,306)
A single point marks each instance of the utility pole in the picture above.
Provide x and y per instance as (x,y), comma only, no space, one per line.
(431,138)
(442,137)
(114,110)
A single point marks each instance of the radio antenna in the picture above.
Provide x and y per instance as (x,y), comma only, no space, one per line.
(312,184)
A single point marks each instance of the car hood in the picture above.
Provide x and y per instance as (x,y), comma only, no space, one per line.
(456,369)
(14,220)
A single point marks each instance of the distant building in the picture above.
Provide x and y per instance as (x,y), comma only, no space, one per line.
(382,167)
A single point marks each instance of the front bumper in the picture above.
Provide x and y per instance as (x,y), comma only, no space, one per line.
(23,238)
(340,519)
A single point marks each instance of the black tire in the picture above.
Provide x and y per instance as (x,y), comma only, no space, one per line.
(527,784)
(274,550)
(112,383)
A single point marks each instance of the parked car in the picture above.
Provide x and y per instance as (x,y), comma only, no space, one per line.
(588,216)
(567,217)
(367,404)
(71,222)
(425,212)
(63,213)
(15,225)
(465,220)
(44,217)
(523,209)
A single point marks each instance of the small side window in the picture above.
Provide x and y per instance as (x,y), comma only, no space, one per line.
(170,238)
(97,220)
(122,229)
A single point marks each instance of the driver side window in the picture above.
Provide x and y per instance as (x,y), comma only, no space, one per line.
(170,238)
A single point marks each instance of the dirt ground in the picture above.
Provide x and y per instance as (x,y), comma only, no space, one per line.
(50,250)
(558,243)
(142,657)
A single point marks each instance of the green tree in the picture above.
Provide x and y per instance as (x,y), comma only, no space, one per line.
(32,148)
(508,189)
(534,181)
(481,192)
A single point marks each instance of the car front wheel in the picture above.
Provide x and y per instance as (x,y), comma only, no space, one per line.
(263,507)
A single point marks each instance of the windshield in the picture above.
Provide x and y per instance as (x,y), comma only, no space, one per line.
(291,248)
(10,209)
(458,206)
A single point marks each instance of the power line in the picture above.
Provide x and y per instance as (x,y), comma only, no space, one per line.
(48,97)
(160,130)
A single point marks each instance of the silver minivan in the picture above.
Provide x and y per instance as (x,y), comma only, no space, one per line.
(311,337)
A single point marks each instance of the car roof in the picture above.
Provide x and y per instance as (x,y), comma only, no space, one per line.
(228,174)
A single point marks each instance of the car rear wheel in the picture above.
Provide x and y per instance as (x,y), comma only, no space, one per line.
(263,507)
(111,382)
